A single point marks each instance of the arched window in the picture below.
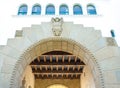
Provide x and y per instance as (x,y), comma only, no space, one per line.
(36,10)
(63,10)
(50,10)
(91,10)
(22,10)
(77,10)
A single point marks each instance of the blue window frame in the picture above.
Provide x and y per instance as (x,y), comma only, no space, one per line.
(36,10)
(63,10)
(77,10)
(22,10)
(50,10)
(91,10)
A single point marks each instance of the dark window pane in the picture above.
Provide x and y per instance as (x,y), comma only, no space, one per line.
(22,10)
(91,10)
(64,10)
(50,10)
(36,10)
(77,10)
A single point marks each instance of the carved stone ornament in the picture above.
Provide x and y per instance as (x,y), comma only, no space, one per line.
(57,26)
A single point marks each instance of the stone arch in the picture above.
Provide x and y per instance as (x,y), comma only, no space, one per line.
(52,44)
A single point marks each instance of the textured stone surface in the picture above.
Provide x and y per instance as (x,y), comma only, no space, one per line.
(100,54)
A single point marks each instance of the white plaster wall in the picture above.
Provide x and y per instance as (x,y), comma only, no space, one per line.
(107,18)
(87,79)
(1,60)
(29,77)
(1,63)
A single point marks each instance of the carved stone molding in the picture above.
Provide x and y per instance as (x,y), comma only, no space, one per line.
(57,26)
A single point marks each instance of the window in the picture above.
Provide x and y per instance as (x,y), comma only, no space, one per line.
(77,10)
(50,10)
(112,33)
(63,10)
(22,10)
(91,10)
(36,10)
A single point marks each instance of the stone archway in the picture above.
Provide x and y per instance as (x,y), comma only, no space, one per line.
(61,44)
(100,54)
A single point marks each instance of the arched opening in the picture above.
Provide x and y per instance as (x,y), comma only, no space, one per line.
(77,10)
(63,10)
(23,10)
(50,9)
(57,67)
(36,9)
(57,86)
(57,59)
(91,10)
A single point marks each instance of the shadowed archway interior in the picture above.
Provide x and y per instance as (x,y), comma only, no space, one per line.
(57,65)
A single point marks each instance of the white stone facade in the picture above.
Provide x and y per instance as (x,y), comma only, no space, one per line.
(107,17)
(100,54)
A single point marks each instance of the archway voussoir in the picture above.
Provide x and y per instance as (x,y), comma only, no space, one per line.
(64,45)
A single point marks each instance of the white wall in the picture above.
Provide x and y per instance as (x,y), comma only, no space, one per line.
(108,16)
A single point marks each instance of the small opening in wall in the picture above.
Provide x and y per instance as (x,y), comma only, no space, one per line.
(112,33)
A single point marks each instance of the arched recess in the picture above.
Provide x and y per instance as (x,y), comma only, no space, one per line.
(91,9)
(23,9)
(77,9)
(59,44)
(50,9)
(36,9)
(64,9)
(57,86)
